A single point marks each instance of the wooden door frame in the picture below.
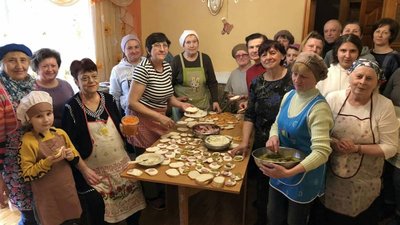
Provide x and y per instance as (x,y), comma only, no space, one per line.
(309,17)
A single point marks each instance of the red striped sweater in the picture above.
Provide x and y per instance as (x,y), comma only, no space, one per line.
(8,121)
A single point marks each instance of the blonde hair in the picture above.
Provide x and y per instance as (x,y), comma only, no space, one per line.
(300,68)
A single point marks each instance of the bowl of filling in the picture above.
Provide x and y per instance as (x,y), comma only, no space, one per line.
(286,157)
(202,130)
(217,142)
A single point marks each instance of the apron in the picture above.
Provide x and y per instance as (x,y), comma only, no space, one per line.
(294,133)
(353,180)
(55,196)
(122,197)
(194,85)
(149,130)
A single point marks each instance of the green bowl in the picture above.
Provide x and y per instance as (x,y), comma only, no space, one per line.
(286,157)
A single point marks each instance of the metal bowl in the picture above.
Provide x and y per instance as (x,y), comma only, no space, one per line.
(217,142)
(202,130)
(286,157)
(149,159)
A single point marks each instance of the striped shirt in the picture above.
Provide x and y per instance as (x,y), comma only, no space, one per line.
(158,84)
(8,121)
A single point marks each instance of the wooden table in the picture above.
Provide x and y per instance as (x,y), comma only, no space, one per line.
(187,187)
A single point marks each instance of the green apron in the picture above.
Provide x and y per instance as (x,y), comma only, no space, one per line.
(194,85)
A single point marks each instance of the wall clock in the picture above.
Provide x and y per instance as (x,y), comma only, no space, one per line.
(215,6)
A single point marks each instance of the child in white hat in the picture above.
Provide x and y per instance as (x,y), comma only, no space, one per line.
(45,157)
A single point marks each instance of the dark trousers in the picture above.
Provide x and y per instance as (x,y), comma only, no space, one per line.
(282,211)
(92,208)
(27,218)
(262,183)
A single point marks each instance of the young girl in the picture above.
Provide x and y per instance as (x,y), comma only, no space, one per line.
(45,155)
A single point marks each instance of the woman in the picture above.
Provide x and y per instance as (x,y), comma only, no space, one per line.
(151,92)
(121,74)
(14,77)
(92,119)
(313,42)
(385,31)
(46,63)
(266,92)
(364,135)
(236,85)
(193,74)
(303,123)
(345,51)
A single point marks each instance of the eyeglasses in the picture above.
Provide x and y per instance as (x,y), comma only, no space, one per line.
(160,44)
(241,56)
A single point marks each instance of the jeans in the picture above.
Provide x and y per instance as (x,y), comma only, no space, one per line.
(27,218)
(282,211)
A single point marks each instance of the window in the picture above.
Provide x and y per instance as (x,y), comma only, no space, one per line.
(44,24)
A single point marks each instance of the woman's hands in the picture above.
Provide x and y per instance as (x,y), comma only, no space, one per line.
(241,149)
(216,107)
(166,121)
(273,143)
(344,145)
(275,171)
(90,176)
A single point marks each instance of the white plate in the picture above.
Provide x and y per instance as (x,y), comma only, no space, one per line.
(198,114)
(149,159)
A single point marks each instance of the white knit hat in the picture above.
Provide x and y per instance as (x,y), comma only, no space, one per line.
(185,34)
(126,38)
(30,100)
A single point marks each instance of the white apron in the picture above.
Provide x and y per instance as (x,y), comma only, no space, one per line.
(122,197)
(353,180)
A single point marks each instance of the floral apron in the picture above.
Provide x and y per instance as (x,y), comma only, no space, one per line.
(122,197)
(55,195)
(149,130)
(353,180)
(194,85)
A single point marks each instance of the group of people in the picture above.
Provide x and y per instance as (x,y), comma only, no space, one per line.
(61,153)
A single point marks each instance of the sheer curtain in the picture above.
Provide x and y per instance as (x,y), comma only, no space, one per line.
(111,21)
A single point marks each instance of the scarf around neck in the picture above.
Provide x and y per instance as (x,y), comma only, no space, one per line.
(17,89)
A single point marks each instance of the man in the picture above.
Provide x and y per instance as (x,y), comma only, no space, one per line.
(332,30)
(351,27)
(253,42)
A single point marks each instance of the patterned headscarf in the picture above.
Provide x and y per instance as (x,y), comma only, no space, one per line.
(368,63)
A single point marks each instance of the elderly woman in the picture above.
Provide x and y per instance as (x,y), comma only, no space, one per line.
(303,123)
(385,31)
(121,74)
(313,42)
(193,74)
(345,51)
(46,63)
(364,135)
(91,119)
(16,83)
(236,85)
(266,92)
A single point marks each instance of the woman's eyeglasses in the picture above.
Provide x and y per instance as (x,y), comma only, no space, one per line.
(158,45)
(241,56)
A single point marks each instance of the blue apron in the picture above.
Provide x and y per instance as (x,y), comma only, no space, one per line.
(294,133)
